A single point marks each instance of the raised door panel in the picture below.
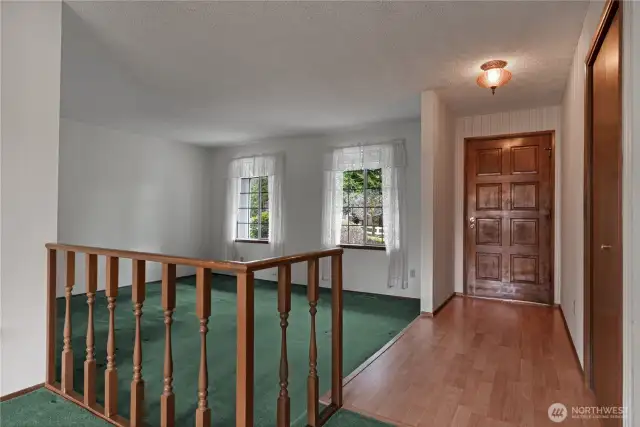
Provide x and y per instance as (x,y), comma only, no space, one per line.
(488,197)
(524,160)
(524,196)
(489,231)
(524,232)
(524,269)
(488,266)
(489,162)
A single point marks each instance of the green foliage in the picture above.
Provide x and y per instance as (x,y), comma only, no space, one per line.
(353,190)
(257,186)
(254,227)
(374,179)
(353,181)
(375,239)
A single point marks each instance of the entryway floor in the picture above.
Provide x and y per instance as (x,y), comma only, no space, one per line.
(478,363)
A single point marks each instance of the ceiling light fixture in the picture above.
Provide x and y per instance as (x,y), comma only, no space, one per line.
(494,75)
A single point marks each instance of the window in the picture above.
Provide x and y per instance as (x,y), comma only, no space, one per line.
(253,209)
(362,208)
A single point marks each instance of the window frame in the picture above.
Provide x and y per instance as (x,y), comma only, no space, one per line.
(249,208)
(365,245)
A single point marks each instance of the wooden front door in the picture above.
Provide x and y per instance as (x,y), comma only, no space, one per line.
(509,204)
(604,217)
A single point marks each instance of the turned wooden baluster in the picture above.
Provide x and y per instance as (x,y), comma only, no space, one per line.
(284,306)
(67,351)
(312,381)
(203,311)
(111,373)
(137,385)
(336,330)
(167,400)
(91,270)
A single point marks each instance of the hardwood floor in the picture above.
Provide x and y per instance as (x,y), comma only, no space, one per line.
(479,363)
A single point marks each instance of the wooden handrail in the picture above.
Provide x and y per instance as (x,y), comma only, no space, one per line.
(236,266)
(245,332)
(152,257)
(291,259)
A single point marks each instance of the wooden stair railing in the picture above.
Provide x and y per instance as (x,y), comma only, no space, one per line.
(244,272)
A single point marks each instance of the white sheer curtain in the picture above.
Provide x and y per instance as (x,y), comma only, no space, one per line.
(391,158)
(271,166)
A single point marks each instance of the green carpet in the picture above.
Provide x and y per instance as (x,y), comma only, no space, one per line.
(369,322)
(344,418)
(350,419)
(44,408)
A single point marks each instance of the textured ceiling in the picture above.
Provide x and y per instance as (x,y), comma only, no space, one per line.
(225,72)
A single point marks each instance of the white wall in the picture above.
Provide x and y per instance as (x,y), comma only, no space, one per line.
(364,270)
(531,120)
(437,158)
(30,106)
(572,170)
(124,191)
(1,333)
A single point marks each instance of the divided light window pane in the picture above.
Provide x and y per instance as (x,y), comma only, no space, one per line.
(362,208)
(253,209)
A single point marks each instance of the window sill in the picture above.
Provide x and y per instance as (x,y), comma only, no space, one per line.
(264,242)
(365,247)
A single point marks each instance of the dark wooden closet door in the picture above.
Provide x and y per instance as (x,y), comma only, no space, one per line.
(606,234)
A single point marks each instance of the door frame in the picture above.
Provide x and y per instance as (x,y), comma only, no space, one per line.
(610,9)
(552,185)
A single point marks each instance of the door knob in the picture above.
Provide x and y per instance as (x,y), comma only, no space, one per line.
(605,247)
(472,222)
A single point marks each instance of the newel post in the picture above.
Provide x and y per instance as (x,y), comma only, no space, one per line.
(336,330)
(51,315)
(244,373)
(313,284)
